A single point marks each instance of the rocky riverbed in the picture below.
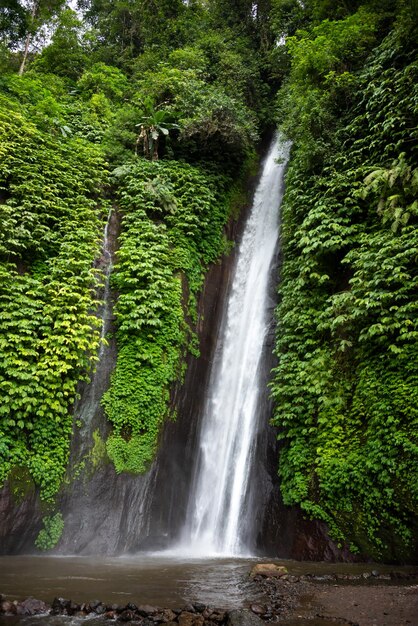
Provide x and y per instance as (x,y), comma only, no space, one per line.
(366,599)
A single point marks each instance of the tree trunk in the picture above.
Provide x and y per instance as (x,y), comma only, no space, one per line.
(28,38)
(25,54)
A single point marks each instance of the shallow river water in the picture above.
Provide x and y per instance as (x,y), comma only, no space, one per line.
(161,580)
(143,579)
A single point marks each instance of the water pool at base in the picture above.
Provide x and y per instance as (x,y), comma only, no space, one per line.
(162,580)
(143,579)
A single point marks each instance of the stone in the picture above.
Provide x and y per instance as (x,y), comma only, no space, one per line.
(8,608)
(165,616)
(199,607)
(268,570)
(293,579)
(31,606)
(243,617)
(74,608)
(60,606)
(146,609)
(217,616)
(186,618)
(100,609)
(258,609)
(126,616)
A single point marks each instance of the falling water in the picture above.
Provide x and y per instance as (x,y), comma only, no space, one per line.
(87,407)
(218,509)
(106,312)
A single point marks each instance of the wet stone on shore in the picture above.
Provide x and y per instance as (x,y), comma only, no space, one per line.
(146,615)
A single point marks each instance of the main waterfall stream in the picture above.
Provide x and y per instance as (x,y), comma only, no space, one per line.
(219,516)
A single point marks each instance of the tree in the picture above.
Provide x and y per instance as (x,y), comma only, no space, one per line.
(13,18)
(40,12)
(65,55)
(152,126)
(127,27)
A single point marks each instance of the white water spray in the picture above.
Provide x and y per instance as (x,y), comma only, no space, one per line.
(217,506)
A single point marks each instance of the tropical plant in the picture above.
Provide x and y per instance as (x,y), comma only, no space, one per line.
(154,124)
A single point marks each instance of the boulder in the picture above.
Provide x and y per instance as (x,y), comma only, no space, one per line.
(100,609)
(268,570)
(145,610)
(31,606)
(7,607)
(60,606)
(243,617)
(126,616)
(165,616)
(186,618)
(217,616)
(258,609)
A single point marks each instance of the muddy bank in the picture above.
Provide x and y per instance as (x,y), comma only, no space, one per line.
(367,599)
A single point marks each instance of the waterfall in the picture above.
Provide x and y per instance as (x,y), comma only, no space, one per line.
(89,404)
(106,312)
(218,519)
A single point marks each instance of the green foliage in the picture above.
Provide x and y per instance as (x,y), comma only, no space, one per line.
(127,29)
(49,536)
(49,237)
(65,55)
(152,127)
(346,384)
(173,215)
(322,80)
(104,79)
(97,455)
(215,126)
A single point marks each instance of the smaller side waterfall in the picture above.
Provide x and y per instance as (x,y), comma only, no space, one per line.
(218,520)
(89,403)
(106,311)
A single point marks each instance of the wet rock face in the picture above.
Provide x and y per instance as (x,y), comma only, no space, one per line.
(21,520)
(311,542)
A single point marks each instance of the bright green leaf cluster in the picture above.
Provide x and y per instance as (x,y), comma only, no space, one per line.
(49,536)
